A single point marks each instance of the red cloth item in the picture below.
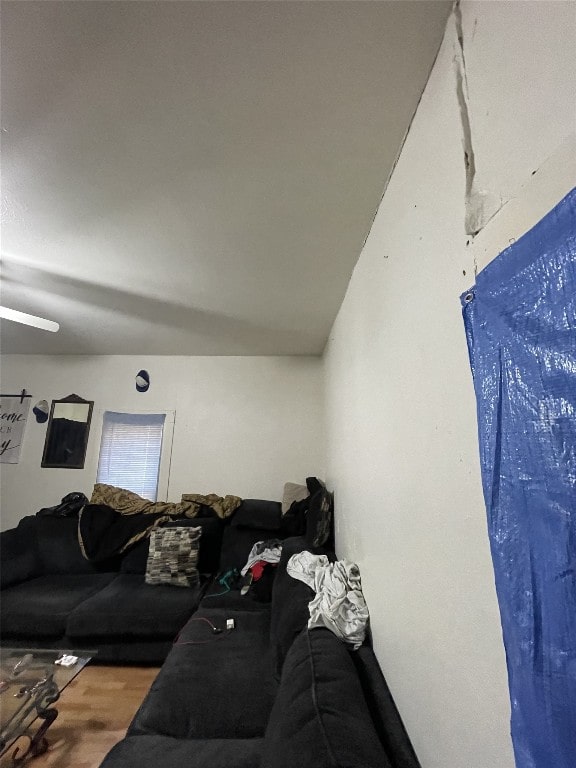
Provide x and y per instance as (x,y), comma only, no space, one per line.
(258,569)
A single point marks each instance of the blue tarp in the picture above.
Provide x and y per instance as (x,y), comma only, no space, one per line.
(520,321)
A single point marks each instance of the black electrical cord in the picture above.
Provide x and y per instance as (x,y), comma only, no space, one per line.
(215,631)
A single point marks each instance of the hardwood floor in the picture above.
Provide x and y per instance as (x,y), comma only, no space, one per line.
(94,712)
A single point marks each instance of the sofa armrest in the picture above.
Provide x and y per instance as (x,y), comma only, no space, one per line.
(320,718)
(385,715)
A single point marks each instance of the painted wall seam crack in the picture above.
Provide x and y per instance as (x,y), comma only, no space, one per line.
(481,205)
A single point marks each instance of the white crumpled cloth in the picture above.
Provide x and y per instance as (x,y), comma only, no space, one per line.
(339,604)
(269,551)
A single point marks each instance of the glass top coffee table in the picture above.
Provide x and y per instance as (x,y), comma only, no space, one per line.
(31,681)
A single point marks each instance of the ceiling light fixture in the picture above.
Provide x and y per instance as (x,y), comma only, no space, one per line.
(26,319)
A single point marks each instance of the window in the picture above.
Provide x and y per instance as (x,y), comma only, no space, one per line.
(130,452)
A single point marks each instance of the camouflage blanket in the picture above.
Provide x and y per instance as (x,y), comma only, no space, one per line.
(223,506)
(129,503)
(115,519)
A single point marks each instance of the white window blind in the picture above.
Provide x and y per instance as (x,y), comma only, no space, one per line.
(130,451)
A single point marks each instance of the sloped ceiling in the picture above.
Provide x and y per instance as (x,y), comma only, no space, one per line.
(198,177)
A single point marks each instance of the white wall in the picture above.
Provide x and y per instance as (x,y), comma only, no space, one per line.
(244,425)
(402,452)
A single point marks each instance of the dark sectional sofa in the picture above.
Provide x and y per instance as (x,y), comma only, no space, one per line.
(268,692)
(52,597)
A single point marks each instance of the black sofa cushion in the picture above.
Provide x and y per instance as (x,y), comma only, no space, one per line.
(134,561)
(40,607)
(216,597)
(166,752)
(290,599)
(320,718)
(130,608)
(212,686)
(258,513)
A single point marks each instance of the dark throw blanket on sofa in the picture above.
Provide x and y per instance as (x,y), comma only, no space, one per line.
(115,518)
(104,532)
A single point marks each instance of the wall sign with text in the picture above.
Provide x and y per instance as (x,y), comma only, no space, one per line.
(13,416)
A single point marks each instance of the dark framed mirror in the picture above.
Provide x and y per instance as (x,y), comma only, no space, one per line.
(67,433)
